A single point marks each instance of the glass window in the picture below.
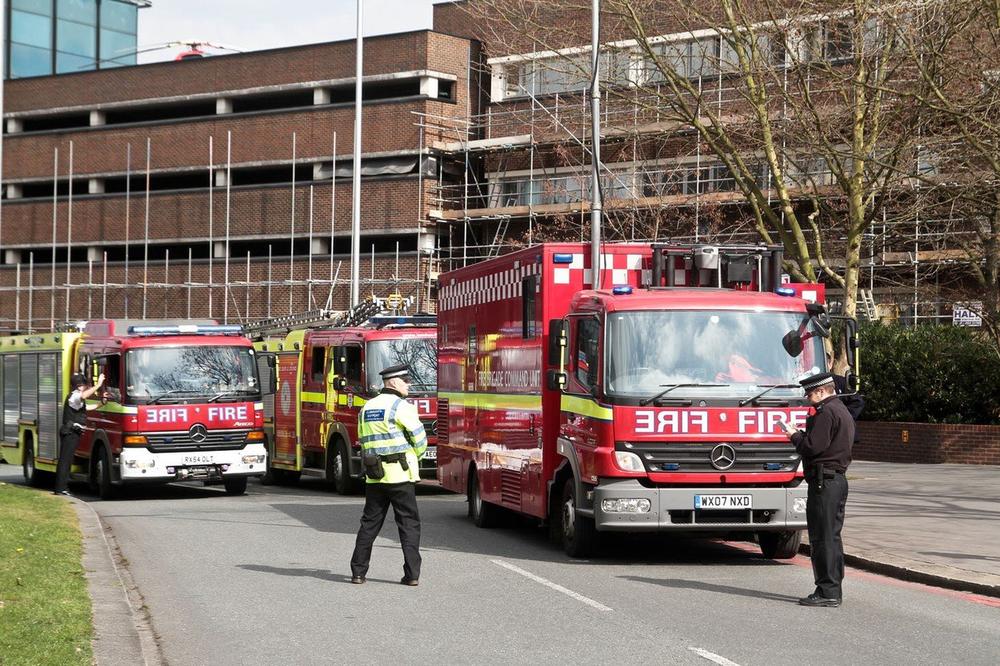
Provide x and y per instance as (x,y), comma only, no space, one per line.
(420,354)
(191,373)
(30,29)
(318,364)
(120,16)
(68,63)
(117,46)
(743,350)
(704,57)
(29,61)
(586,360)
(83,11)
(76,38)
(36,6)
(672,56)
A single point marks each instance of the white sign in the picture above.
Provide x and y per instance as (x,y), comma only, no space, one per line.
(967,314)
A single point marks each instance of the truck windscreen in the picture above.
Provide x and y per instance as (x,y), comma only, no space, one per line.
(190,374)
(420,354)
(737,351)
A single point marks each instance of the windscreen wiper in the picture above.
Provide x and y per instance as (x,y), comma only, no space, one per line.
(225,394)
(671,387)
(770,387)
(157,399)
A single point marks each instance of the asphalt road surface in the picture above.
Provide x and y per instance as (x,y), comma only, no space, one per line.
(264,579)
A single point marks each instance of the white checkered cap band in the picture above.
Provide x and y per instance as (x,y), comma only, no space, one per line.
(405,372)
(818,383)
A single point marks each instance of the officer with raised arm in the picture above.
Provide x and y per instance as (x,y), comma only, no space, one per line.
(825,447)
(392,442)
(74,418)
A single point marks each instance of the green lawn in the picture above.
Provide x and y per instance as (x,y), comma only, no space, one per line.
(44,604)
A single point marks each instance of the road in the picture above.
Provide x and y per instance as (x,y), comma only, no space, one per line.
(264,579)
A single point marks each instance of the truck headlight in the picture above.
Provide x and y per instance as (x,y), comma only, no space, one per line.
(629,461)
(140,464)
(799,505)
(625,505)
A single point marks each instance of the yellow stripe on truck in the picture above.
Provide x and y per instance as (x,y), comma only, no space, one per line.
(518,401)
(585,407)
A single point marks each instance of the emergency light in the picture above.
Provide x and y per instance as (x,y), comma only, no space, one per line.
(784,291)
(187,329)
(562,259)
(622,290)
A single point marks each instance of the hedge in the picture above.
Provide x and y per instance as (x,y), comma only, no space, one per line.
(930,374)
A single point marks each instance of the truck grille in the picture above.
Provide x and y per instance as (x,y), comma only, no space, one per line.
(685,457)
(216,440)
(735,517)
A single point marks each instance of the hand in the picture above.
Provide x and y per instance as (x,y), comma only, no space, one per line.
(104,398)
(788,428)
(100,381)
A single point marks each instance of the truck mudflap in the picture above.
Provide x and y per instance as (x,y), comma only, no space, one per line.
(625,505)
(140,464)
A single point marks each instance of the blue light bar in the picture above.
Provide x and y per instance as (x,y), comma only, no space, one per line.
(562,259)
(671,467)
(784,291)
(771,467)
(187,329)
(621,290)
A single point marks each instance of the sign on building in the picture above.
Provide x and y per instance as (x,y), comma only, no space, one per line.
(967,314)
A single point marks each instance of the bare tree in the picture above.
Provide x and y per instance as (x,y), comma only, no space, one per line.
(801,109)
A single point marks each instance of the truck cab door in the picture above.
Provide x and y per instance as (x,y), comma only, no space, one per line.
(583,370)
(349,371)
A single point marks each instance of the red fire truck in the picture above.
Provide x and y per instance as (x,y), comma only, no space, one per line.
(326,373)
(650,404)
(181,401)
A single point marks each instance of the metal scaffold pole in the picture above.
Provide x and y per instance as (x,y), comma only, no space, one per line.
(356,175)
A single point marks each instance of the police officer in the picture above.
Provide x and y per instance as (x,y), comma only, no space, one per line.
(392,442)
(74,418)
(825,447)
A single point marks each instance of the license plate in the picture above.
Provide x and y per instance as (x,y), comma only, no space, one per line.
(197,460)
(723,501)
(431,453)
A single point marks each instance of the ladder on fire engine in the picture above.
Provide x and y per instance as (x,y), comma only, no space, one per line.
(322,317)
(868,304)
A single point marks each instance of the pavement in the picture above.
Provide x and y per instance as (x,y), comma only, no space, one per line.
(204,563)
(932,524)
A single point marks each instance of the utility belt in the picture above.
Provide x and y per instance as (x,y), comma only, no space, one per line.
(373,463)
(819,473)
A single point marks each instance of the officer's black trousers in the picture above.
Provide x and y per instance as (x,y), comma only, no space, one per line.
(825,515)
(403,499)
(67,449)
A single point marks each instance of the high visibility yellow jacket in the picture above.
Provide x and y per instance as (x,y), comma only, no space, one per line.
(387,424)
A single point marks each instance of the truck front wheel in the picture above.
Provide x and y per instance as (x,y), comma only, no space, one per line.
(579,536)
(235,485)
(340,470)
(779,545)
(102,476)
(31,476)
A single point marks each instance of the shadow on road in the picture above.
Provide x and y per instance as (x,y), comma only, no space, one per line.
(322,574)
(680,584)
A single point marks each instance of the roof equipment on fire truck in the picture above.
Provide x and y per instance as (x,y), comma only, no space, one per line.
(734,266)
(321,318)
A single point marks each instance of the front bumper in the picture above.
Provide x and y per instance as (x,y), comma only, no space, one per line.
(140,464)
(672,509)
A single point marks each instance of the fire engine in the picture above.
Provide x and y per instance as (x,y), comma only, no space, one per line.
(328,366)
(181,401)
(651,404)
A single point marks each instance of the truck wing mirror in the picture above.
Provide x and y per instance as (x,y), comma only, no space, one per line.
(555,380)
(792,342)
(271,361)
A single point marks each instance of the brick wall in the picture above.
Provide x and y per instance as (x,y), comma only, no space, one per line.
(928,443)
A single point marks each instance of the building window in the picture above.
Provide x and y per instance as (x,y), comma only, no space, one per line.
(81,11)
(29,61)
(117,49)
(120,16)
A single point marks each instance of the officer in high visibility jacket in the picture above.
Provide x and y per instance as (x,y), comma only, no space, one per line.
(392,442)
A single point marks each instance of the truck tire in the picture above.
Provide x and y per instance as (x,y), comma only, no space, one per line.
(340,471)
(102,475)
(779,545)
(31,474)
(272,475)
(235,485)
(483,513)
(579,535)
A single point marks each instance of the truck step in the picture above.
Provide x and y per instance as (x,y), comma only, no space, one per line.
(314,471)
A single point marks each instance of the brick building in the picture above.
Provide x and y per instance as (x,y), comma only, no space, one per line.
(150,188)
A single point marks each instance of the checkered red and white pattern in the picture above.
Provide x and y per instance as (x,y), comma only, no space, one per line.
(488,288)
(615,270)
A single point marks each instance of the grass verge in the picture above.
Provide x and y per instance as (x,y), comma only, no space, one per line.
(44,603)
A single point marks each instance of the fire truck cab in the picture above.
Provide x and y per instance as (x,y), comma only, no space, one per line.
(651,403)
(181,401)
(324,377)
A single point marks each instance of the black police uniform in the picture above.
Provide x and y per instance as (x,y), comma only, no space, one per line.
(825,447)
(73,421)
(854,402)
